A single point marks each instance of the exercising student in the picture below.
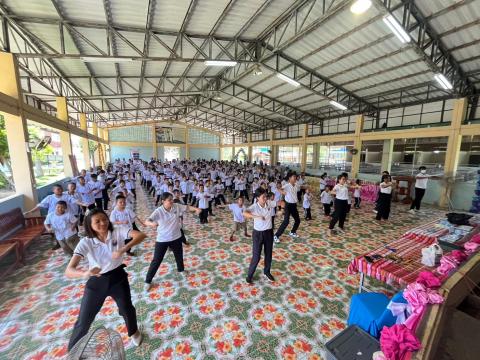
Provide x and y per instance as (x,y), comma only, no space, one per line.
(167,220)
(262,234)
(104,248)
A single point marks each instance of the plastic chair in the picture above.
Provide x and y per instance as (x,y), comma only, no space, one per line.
(369,311)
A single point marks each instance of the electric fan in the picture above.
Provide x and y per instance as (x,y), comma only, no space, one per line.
(99,344)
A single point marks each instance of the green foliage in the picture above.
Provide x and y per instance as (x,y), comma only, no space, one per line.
(4,154)
(34,138)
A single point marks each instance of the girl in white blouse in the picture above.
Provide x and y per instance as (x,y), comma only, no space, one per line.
(340,191)
(385,198)
(104,248)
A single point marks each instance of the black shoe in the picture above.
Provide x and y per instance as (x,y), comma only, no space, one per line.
(56,246)
(269,277)
(249,280)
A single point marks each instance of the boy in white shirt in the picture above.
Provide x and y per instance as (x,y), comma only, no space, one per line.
(238,218)
(123,216)
(203,200)
(307,198)
(326,199)
(64,225)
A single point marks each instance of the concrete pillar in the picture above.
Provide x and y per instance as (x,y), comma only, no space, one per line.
(62,114)
(249,147)
(357,144)
(303,148)
(154,143)
(316,150)
(273,158)
(387,153)
(453,148)
(17,133)
(96,158)
(85,149)
(105,137)
(187,144)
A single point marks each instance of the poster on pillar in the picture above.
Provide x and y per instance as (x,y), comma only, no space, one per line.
(169,134)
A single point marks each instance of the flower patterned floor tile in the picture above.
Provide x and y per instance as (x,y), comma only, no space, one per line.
(211,313)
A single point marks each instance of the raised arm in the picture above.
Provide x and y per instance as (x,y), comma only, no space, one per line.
(72,273)
(137,238)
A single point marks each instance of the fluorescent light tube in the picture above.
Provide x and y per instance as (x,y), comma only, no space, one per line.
(360,6)
(396,28)
(220,63)
(338,105)
(443,81)
(288,80)
(105,59)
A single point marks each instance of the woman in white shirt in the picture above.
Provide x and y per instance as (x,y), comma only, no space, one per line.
(168,221)
(262,234)
(385,198)
(340,191)
(104,248)
(420,186)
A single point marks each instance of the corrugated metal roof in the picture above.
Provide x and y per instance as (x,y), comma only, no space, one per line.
(356,52)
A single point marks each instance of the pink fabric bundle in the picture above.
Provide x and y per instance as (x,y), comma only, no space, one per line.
(369,192)
(397,341)
(459,256)
(475,238)
(419,296)
(470,247)
(447,264)
(429,280)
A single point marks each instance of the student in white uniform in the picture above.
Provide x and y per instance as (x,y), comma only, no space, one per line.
(385,198)
(421,180)
(326,199)
(262,234)
(323,182)
(238,219)
(104,248)
(307,198)
(167,220)
(341,204)
(290,191)
(63,224)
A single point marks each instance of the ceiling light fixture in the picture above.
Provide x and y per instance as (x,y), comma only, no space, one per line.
(288,80)
(338,105)
(220,63)
(396,28)
(443,81)
(105,59)
(360,6)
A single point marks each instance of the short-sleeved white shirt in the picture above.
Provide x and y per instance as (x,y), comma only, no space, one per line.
(169,222)
(256,209)
(385,190)
(421,183)
(341,192)
(203,198)
(125,215)
(237,212)
(61,224)
(306,200)
(50,202)
(291,193)
(99,254)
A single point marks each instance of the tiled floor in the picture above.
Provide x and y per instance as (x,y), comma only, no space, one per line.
(212,313)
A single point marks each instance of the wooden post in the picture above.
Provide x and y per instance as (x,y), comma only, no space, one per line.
(357,144)
(62,114)
(85,148)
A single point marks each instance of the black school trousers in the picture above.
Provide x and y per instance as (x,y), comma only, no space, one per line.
(290,209)
(261,239)
(113,283)
(340,213)
(418,198)
(384,203)
(160,250)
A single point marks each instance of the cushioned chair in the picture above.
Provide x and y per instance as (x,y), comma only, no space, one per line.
(369,311)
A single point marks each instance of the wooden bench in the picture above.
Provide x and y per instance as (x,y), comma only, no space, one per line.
(19,231)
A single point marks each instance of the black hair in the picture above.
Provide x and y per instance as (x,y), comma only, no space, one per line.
(341,176)
(88,222)
(120,196)
(259,192)
(385,177)
(422,168)
(72,183)
(93,176)
(358,181)
(63,203)
(166,195)
(385,172)
(58,186)
(345,174)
